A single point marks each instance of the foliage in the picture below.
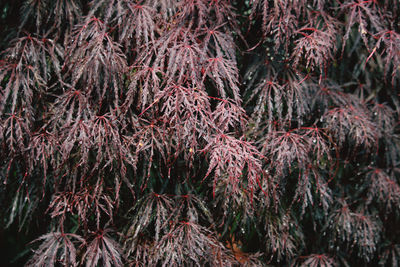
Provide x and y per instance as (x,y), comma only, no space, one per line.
(200,132)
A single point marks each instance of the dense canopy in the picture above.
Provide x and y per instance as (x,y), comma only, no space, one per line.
(199,132)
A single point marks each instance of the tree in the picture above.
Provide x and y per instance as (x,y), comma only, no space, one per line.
(200,132)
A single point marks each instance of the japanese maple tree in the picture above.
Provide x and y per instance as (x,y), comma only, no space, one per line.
(200,132)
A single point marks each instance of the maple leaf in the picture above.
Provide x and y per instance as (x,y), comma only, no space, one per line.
(281,237)
(24,72)
(44,12)
(316,46)
(234,160)
(138,22)
(83,202)
(390,40)
(365,14)
(382,188)
(351,122)
(192,243)
(354,228)
(105,248)
(56,247)
(286,148)
(95,62)
(218,42)
(322,260)
(188,110)
(277,20)
(225,75)
(227,115)
(154,209)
